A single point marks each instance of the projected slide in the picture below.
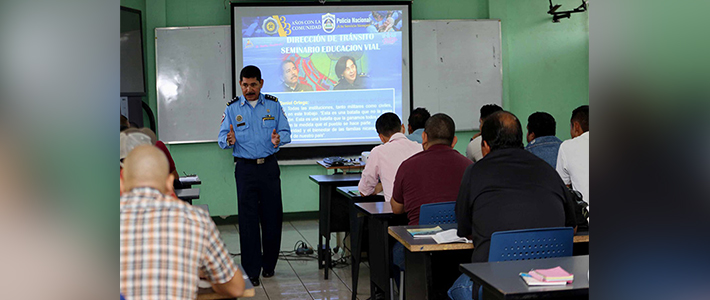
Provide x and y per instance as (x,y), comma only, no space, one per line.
(334,72)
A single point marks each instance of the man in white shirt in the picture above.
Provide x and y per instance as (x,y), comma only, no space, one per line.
(473,150)
(384,160)
(573,157)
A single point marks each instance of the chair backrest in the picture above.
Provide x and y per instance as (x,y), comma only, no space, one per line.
(437,213)
(531,244)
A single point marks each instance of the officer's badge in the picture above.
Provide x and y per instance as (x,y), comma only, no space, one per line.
(239,118)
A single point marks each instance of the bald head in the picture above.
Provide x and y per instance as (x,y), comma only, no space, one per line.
(502,130)
(146,166)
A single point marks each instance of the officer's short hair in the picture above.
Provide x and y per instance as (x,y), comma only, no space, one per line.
(250,72)
(581,116)
(542,124)
(502,130)
(488,110)
(418,118)
(388,124)
(440,129)
(341,64)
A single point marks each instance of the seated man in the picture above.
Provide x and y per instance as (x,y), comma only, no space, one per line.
(384,159)
(541,137)
(416,124)
(166,243)
(431,176)
(508,189)
(573,157)
(473,150)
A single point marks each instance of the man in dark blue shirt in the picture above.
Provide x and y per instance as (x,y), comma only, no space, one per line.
(508,189)
(541,137)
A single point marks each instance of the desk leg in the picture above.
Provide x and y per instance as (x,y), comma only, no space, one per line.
(324,229)
(380,256)
(356,228)
(418,282)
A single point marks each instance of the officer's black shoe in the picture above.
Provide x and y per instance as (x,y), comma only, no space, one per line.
(254,281)
(266,274)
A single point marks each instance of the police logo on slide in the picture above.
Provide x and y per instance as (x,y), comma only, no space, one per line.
(270,26)
(328,22)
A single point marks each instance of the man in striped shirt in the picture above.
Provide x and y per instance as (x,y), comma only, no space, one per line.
(166,243)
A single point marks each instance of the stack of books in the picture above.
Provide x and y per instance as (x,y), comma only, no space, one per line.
(554,276)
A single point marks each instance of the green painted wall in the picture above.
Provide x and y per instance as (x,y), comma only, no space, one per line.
(545,68)
(545,64)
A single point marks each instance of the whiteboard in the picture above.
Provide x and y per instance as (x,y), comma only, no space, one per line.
(457,68)
(193,80)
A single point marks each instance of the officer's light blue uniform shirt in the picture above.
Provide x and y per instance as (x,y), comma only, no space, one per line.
(416,136)
(253,127)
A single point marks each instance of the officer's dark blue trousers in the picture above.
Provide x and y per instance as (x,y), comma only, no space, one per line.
(259,202)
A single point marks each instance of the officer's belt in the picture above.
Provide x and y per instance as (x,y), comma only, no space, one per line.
(257,161)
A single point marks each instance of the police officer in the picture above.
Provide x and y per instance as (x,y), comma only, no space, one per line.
(254,126)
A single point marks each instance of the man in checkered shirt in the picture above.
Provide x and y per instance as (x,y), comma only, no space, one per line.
(166,243)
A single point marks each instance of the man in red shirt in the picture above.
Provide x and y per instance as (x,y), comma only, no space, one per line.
(431,176)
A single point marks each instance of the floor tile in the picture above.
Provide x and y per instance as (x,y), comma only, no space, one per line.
(299,277)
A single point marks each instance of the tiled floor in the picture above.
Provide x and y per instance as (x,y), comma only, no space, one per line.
(298,278)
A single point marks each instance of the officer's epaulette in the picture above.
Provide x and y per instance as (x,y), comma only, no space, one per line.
(271,97)
(233,100)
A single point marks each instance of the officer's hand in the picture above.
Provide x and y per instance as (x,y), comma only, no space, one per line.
(275,138)
(231,140)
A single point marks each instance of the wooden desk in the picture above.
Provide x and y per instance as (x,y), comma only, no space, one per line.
(188,194)
(424,244)
(423,257)
(327,212)
(209,293)
(345,169)
(378,216)
(500,280)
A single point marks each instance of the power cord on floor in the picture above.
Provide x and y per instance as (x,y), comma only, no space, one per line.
(301,252)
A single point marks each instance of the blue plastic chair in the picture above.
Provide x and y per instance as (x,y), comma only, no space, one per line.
(531,244)
(437,213)
(528,244)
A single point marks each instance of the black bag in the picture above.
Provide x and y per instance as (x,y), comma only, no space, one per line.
(580,210)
